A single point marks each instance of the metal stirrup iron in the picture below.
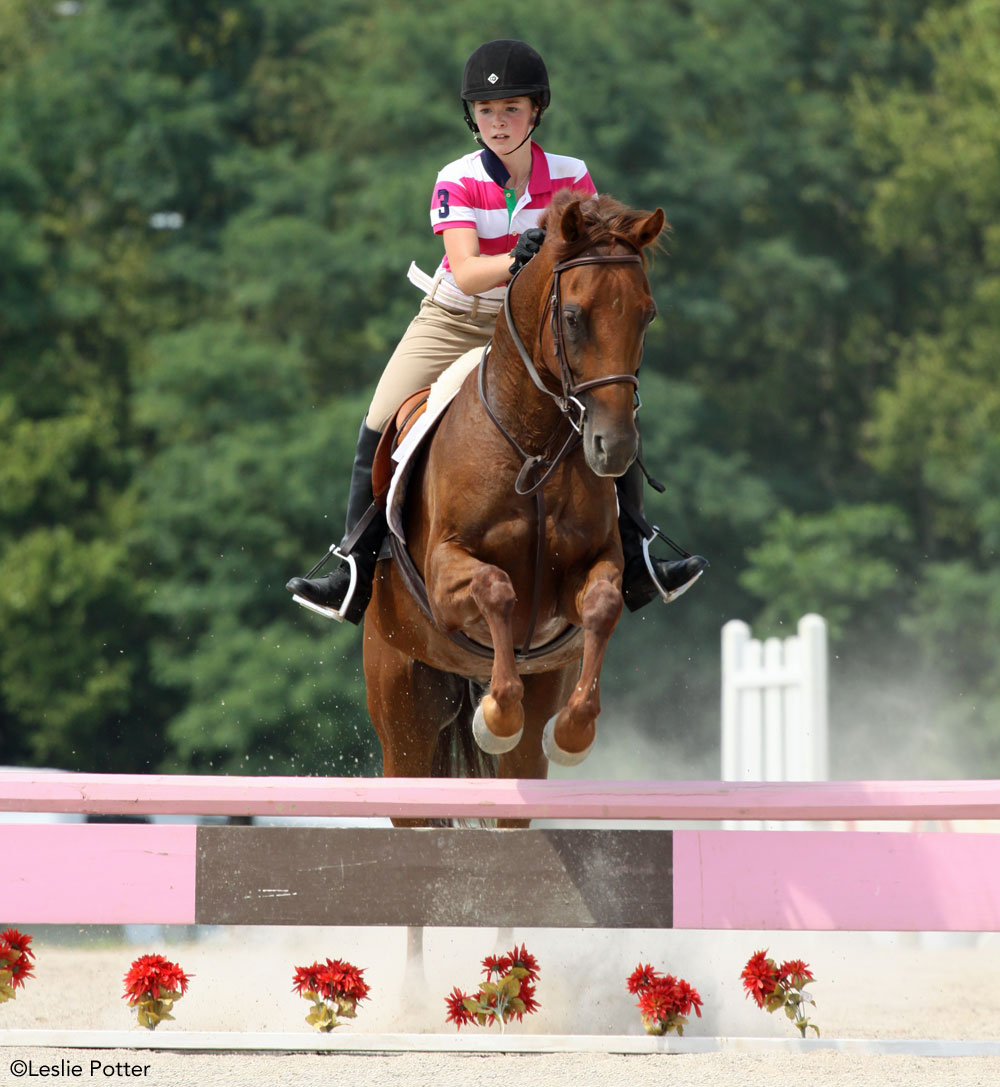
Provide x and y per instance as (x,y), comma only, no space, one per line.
(343,551)
(666,594)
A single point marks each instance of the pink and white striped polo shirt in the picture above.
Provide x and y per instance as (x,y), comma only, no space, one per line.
(469,192)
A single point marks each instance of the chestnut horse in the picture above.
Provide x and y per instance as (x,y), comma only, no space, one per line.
(511,517)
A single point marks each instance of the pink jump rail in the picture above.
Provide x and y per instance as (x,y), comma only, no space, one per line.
(165,794)
(78,873)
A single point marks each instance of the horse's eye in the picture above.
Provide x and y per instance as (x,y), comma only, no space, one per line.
(572,319)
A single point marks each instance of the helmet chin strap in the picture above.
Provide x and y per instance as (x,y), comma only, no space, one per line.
(478,137)
(521,144)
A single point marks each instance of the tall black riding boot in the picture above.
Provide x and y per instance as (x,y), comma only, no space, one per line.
(646,577)
(332,594)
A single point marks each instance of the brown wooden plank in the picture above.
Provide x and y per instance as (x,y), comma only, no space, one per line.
(434,877)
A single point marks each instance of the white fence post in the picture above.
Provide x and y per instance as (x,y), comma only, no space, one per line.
(774,704)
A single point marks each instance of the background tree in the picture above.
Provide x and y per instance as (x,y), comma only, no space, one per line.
(206,214)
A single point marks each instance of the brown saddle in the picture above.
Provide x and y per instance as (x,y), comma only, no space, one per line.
(399,426)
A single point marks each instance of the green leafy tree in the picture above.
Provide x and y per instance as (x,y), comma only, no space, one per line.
(73,664)
(933,434)
(206,214)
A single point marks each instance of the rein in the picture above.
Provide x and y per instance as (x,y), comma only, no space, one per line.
(568,403)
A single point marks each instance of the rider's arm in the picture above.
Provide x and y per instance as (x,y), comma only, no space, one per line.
(473,272)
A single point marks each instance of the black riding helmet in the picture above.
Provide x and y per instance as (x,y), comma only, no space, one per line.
(504,69)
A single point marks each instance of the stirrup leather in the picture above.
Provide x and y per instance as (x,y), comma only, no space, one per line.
(322,609)
(667,595)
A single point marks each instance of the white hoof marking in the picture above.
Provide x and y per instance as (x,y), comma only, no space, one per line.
(554,753)
(488,741)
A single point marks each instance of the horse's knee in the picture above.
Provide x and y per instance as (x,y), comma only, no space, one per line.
(492,591)
(602,608)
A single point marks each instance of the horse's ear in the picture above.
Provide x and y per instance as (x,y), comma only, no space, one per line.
(571,225)
(649,229)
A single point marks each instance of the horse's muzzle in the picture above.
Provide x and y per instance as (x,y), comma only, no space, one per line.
(609,451)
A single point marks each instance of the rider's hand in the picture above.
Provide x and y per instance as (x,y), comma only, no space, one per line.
(527,246)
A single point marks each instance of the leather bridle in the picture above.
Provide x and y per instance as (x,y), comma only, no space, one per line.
(567,400)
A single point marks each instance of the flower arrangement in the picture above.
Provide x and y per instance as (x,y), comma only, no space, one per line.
(16,958)
(334,987)
(508,991)
(152,986)
(665,1002)
(774,987)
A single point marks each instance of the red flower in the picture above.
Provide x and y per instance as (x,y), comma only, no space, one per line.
(655,1003)
(760,977)
(305,979)
(687,998)
(458,1013)
(664,1001)
(151,975)
(667,997)
(508,991)
(331,980)
(341,979)
(641,978)
(527,995)
(796,972)
(500,964)
(775,988)
(525,960)
(16,956)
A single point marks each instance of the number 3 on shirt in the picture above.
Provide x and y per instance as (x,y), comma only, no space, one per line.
(443,210)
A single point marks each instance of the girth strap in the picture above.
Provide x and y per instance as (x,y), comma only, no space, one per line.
(418,590)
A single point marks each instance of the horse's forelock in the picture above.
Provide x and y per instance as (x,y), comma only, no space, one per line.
(605,219)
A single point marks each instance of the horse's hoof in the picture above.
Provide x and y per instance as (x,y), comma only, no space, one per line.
(489,741)
(554,753)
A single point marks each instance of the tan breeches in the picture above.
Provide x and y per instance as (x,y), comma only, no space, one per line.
(434,339)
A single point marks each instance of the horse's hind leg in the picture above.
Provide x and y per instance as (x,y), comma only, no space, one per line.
(409,704)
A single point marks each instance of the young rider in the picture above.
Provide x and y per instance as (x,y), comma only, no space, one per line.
(486,207)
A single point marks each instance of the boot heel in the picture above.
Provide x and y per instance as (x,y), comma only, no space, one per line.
(341,612)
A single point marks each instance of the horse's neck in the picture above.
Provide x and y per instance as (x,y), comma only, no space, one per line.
(530,417)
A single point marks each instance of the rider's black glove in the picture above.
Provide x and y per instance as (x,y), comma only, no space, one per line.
(527,246)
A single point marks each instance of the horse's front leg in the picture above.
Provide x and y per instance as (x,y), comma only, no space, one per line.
(465,589)
(569,736)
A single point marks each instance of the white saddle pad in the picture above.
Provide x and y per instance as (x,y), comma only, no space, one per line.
(443,391)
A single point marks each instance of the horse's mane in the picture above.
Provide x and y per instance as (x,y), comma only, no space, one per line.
(606,220)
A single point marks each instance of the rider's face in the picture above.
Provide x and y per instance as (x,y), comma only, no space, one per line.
(504,122)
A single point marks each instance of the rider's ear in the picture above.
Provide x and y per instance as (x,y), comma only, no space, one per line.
(649,229)
(571,224)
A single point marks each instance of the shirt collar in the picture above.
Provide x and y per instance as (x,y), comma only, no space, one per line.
(540,179)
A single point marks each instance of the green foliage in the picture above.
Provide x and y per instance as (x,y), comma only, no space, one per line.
(841,563)
(206,213)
